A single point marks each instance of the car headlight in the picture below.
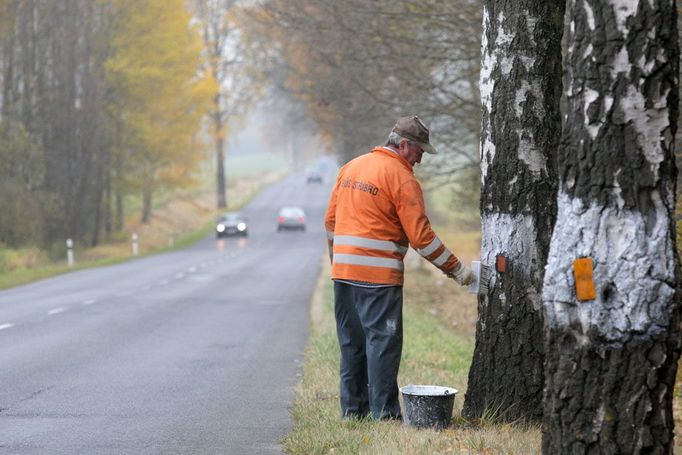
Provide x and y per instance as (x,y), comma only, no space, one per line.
(220,228)
(241,226)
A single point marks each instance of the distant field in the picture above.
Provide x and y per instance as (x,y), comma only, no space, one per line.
(245,165)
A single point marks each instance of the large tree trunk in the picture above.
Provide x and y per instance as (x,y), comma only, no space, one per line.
(146,205)
(611,360)
(119,215)
(107,205)
(520,92)
(220,177)
(99,193)
(219,125)
(8,65)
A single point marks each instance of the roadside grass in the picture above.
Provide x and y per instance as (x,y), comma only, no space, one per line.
(439,324)
(181,222)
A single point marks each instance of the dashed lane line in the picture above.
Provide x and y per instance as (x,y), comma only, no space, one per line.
(89,301)
(6,326)
(56,310)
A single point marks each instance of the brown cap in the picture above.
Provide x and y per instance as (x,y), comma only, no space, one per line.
(412,128)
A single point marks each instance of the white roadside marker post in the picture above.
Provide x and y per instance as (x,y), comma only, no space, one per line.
(69,252)
(135,244)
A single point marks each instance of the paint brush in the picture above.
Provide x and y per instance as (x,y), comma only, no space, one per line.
(483,274)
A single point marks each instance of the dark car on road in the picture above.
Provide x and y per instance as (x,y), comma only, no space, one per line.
(314,177)
(291,218)
(234,223)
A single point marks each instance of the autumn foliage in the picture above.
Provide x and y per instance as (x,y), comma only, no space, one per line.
(104,99)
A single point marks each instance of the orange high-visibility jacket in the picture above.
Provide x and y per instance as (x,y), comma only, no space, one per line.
(375,209)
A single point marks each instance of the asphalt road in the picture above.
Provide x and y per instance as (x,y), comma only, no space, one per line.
(194,351)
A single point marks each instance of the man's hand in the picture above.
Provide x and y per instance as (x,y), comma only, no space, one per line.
(463,275)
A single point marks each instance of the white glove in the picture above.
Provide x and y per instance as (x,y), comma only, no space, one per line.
(463,275)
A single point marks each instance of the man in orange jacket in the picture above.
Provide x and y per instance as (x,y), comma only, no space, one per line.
(375,212)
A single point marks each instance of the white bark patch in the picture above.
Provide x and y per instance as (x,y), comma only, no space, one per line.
(660,56)
(531,23)
(590,97)
(617,190)
(623,9)
(588,51)
(487,157)
(503,39)
(646,66)
(590,15)
(530,155)
(486,86)
(528,151)
(521,94)
(621,63)
(651,124)
(514,236)
(633,270)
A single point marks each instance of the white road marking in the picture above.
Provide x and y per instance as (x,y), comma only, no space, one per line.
(192,269)
(163,282)
(58,310)
(179,275)
(6,326)
(89,301)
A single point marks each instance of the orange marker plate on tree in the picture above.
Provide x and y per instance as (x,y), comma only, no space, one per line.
(501,263)
(584,279)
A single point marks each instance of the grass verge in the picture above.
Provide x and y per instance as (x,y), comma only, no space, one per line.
(439,323)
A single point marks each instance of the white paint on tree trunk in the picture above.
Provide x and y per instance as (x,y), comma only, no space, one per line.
(633,270)
(623,9)
(514,236)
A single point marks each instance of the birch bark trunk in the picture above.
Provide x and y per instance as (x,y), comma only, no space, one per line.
(611,361)
(520,92)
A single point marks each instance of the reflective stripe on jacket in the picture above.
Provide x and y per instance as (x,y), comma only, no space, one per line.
(375,211)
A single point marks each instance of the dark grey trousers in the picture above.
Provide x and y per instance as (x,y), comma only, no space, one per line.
(369,326)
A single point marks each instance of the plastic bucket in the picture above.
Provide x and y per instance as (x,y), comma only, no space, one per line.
(428,406)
